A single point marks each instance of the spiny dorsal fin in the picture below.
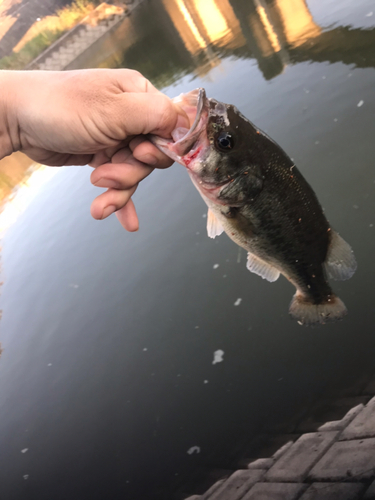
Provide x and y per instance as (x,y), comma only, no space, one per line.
(261,268)
(214,227)
(340,263)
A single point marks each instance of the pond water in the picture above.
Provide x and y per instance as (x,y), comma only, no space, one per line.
(107,379)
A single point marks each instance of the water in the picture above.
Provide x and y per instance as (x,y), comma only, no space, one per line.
(107,375)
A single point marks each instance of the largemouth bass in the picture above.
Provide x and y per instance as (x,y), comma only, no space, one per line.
(256,194)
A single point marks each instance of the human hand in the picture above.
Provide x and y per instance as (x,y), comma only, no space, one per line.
(97,117)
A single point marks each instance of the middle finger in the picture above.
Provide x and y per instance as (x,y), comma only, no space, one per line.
(120,175)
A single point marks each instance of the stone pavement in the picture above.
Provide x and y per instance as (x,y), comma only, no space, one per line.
(334,462)
(76,41)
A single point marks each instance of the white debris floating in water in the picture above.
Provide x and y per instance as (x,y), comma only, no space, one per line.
(24,450)
(361,103)
(205,381)
(216,266)
(369,14)
(193,449)
(218,356)
(26,476)
(238,302)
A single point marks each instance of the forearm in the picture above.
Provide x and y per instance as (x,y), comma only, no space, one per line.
(9,141)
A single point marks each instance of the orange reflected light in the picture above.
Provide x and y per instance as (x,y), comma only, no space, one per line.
(189,21)
(212,19)
(24,194)
(271,35)
(297,20)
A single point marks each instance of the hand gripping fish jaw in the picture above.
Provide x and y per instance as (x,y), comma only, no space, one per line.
(256,194)
(183,140)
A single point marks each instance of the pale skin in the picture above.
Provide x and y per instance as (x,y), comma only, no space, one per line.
(96,117)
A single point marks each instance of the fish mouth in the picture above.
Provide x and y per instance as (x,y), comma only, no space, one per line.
(184,141)
(189,145)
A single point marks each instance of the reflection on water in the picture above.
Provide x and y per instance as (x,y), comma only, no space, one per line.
(107,375)
(196,34)
(22,194)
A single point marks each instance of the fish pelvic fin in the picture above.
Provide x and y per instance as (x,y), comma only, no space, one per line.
(214,227)
(340,263)
(261,268)
(307,313)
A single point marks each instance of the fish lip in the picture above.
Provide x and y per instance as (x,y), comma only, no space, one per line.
(207,185)
(200,105)
(177,149)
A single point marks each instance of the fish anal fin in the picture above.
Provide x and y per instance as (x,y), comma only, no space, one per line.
(340,263)
(261,268)
(214,226)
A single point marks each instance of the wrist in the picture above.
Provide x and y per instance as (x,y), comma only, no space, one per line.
(9,141)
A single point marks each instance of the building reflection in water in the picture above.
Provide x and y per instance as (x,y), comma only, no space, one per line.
(264,28)
(166,39)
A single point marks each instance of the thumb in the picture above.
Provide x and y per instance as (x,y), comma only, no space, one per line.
(145,113)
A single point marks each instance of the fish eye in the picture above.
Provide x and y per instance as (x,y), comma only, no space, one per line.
(224,142)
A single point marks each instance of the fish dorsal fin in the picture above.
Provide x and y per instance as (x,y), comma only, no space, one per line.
(261,268)
(214,227)
(340,263)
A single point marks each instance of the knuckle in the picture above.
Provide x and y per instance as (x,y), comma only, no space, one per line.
(165,113)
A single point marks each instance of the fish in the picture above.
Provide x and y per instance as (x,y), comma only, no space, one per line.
(258,197)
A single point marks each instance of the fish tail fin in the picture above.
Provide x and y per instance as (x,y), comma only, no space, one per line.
(306,312)
(340,262)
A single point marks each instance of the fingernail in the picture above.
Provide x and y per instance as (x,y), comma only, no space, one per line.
(107,183)
(149,159)
(108,211)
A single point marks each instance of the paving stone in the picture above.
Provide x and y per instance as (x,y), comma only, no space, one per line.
(275,491)
(346,461)
(237,485)
(282,450)
(269,446)
(327,411)
(363,425)
(338,425)
(261,463)
(297,461)
(213,488)
(370,492)
(333,491)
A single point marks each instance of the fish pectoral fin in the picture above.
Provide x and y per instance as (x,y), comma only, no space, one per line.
(261,268)
(214,227)
(340,263)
